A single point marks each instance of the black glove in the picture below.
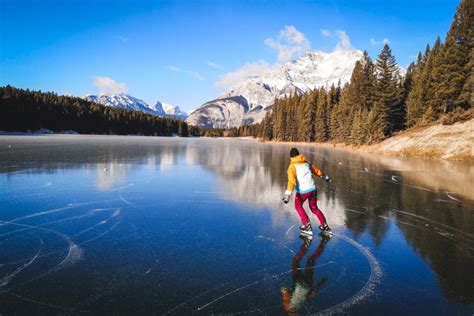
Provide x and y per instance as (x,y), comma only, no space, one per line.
(286,198)
(327,178)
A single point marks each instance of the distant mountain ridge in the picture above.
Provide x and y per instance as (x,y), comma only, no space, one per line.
(172,110)
(129,102)
(248,101)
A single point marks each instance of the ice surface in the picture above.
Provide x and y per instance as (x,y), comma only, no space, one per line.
(185,226)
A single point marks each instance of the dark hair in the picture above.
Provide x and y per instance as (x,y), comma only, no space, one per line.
(294,152)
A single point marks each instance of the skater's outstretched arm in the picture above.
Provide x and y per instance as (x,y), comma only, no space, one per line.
(316,171)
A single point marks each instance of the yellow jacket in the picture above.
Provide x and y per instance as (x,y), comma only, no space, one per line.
(300,175)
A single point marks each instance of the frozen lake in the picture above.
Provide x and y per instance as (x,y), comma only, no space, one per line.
(147,225)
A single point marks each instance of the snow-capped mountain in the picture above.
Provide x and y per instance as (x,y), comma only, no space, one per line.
(158,108)
(248,101)
(171,110)
(123,101)
(129,102)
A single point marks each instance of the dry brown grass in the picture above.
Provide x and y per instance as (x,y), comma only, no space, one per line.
(458,115)
(423,153)
(462,156)
(433,141)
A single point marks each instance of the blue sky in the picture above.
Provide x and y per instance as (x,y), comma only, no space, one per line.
(183,52)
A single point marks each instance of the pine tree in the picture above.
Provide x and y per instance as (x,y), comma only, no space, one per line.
(376,124)
(322,119)
(387,91)
(358,130)
(334,123)
(452,68)
(406,87)
(291,128)
(416,102)
(280,119)
(367,85)
(345,116)
(267,127)
(306,118)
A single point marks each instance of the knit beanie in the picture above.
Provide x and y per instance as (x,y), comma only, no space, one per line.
(294,152)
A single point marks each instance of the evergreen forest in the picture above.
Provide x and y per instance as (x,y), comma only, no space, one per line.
(25,110)
(379,101)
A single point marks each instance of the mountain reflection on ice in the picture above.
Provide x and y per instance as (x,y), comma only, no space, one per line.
(148,225)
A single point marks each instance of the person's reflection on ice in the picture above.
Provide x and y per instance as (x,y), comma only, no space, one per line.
(302,289)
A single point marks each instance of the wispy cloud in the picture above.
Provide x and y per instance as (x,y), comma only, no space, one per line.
(248,70)
(194,74)
(374,42)
(325,33)
(289,43)
(214,65)
(108,85)
(344,41)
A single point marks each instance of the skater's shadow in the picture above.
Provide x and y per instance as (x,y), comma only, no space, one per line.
(302,288)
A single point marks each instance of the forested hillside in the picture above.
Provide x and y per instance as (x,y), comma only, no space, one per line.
(25,110)
(379,102)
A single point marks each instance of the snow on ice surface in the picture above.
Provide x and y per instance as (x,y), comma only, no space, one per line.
(121,230)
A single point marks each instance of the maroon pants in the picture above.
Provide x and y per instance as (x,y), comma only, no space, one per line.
(311,197)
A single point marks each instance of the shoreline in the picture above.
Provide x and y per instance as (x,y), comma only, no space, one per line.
(439,142)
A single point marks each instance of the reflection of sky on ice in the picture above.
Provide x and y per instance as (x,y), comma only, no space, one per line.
(110,175)
(153,225)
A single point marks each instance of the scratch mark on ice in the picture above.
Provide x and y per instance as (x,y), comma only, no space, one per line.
(376,274)
(290,228)
(125,201)
(275,276)
(452,197)
(9,277)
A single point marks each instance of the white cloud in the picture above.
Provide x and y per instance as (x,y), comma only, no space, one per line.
(344,42)
(194,74)
(290,43)
(108,85)
(248,70)
(214,65)
(325,33)
(373,42)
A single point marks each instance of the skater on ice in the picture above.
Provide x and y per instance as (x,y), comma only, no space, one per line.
(300,177)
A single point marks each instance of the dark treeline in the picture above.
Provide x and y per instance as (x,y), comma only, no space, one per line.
(25,110)
(378,101)
(246,130)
